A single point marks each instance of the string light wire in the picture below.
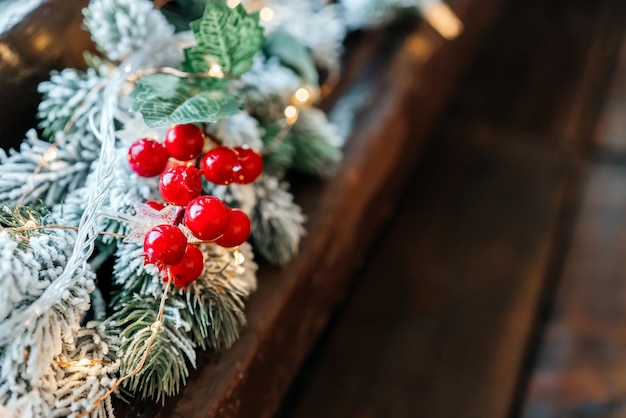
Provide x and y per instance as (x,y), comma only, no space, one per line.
(155,327)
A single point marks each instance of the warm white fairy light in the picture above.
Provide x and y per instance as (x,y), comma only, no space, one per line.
(291,114)
(232,3)
(266,14)
(216,71)
(238,257)
(443,19)
(302,95)
(84,362)
(50,155)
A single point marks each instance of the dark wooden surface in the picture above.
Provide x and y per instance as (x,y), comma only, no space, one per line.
(581,367)
(445,318)
(40,35)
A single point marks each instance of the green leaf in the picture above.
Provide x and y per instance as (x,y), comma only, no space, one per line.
(292,54)
(227,37)
(164,99)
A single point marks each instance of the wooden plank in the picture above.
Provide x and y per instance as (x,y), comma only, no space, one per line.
(610,132)
(581,368)
(48,36)
(440,324)
(582,364)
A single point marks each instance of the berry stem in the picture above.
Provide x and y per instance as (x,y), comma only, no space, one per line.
(179,216)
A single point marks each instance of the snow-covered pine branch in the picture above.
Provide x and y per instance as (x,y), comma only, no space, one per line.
(120,27)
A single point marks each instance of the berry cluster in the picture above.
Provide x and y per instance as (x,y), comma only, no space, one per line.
(180,184)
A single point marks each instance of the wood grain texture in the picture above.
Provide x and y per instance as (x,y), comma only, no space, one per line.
(48,37)
(441,323)
(582,365)
(581,368)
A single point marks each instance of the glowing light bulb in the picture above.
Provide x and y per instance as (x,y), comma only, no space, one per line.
(216,71)
(266,14)
(443,19)
(238,258)
(291,114)
(83,362)
(233,3)
(302,95)
(50,155)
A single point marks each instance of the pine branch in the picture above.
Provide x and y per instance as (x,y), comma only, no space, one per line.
(303,20)
(120,27)
(315,142)
(277,222)
(130,272)
(78,385)
(69,97)
(50,173)
(208,313)
(25,361)
(266,88)
(237,130)
(29,260)
(215,302)
(311,146)
(166,369)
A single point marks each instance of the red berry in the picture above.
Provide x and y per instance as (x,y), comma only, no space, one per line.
(249,165)
(184,142)
(147,157)
(206,217)
(180,184)
(238,230)
(164,245)
(155,205)
(189,268)
(217,165)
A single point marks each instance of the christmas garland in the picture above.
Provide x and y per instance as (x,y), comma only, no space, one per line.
(151,170)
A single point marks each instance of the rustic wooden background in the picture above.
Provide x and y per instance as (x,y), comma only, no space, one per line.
(499,287)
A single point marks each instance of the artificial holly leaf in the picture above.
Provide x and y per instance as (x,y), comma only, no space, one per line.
(164,100)
(292,54)
(227,37)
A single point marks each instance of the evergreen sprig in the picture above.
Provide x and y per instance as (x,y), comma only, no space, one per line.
(310,145)
(165,369)
(208,313)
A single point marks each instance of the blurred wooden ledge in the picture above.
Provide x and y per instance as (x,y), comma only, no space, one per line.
(411,75)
